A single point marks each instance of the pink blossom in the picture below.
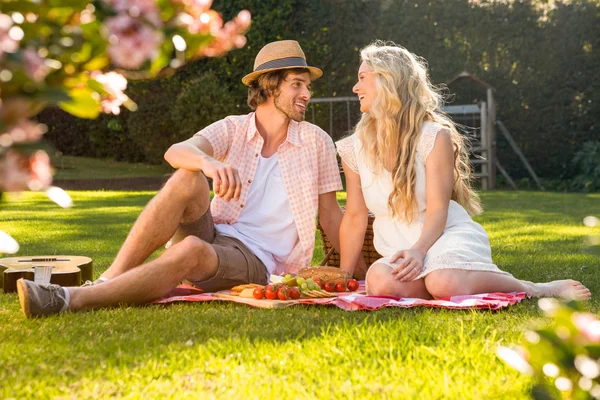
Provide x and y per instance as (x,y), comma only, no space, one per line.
(24,131)
(40,171)
(34,65)
(131,42)
(7,43)
(114,84)
(588,325)
(14,172)
(230,36)
(18,171)
(145,8)
(208,22)
(194,7)
(14,109)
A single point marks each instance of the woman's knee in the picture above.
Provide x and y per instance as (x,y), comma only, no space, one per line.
(380,282)
(444,283)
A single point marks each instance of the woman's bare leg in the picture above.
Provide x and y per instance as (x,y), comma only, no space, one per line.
(381,282)
(454,282)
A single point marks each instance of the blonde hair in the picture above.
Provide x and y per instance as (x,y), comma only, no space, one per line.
(391,129)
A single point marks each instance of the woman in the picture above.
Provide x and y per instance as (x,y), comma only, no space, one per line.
(407,163)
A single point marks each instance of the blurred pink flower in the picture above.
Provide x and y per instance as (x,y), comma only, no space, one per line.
(194,7)
(34,65)
(114,84)
(40,171)
(14,172)
(588,325)
(14,109)
(206,22)
(229,37)
(24,131)
(145,8)
(18,171)
(8,43)
(131,42)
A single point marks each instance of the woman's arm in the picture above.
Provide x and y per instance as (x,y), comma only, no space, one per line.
(439,172)
(354,223)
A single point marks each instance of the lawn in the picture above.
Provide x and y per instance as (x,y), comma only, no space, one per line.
(68,167)
(231,351)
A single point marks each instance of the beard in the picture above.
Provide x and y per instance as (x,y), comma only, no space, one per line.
(287,108)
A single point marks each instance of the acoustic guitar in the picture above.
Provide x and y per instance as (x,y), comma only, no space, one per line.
(66,270)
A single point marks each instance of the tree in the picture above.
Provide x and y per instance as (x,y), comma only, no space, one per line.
(79,54)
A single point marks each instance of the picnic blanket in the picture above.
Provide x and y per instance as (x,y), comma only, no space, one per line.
(350,301)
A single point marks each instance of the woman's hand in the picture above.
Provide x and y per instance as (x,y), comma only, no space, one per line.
(411,265)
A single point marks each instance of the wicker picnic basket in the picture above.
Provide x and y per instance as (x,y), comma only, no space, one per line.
(332,257)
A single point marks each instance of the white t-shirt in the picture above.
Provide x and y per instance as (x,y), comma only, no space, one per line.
(266,225)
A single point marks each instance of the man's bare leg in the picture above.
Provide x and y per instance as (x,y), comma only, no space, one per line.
(184,198)
(191,259)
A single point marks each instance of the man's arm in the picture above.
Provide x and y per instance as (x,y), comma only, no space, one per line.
(190,154)
(196,154)
(330,218)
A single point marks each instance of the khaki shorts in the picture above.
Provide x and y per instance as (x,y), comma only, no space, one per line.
(237,264)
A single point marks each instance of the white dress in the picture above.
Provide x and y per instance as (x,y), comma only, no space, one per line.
(464,244)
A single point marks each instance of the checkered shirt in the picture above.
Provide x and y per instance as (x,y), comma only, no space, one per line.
(308,165)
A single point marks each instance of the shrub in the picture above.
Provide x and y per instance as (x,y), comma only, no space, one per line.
(201,102)
(151,127)
(587,168)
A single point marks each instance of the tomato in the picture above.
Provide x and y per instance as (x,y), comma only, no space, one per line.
(329,286)
(352,285)
(259,293)
(319,282)
(340,287)
(294,293)
(283,293)
(270,292)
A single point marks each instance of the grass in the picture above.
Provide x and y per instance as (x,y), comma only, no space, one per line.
(229,351)
(68,167)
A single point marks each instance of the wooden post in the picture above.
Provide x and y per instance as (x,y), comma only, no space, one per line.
(331,119)
(483,130)
(505,174)
(519,153)
(491,131)
(348,115)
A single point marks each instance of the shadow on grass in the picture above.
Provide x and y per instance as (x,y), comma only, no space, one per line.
(99,345)
(144,344)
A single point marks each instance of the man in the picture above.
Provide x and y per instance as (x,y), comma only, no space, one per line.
(271,174)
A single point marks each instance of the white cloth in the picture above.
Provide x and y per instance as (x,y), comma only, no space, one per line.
(464,244)
(266,225)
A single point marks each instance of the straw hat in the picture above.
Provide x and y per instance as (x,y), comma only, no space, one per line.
(284,54)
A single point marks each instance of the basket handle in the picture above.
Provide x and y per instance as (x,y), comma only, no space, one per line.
(327,256)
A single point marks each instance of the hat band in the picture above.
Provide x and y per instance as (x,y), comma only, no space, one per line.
(283,62)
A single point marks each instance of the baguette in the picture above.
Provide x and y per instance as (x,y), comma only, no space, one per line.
(324,273)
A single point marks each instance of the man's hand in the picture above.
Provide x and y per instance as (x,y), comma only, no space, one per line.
(411,265)
(226,179)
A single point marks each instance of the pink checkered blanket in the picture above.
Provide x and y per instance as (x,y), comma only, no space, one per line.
(354,302)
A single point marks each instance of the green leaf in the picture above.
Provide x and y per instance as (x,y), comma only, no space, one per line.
(164,57)
(83,103)
(97,63)
(54,95)
(96,86)
(539,392)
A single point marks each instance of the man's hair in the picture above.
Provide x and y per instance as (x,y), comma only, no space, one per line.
(267,85)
